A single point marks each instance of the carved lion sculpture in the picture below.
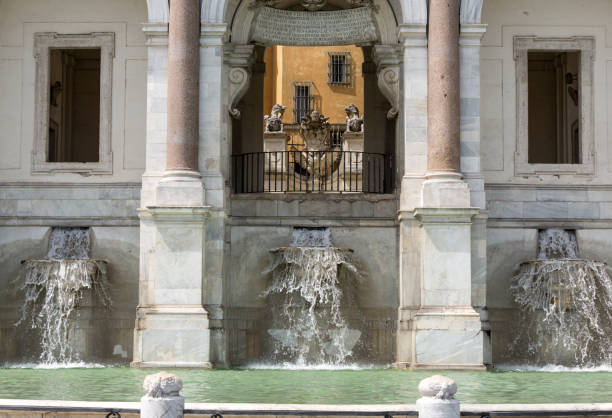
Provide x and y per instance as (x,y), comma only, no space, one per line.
(274,122)
(353,122)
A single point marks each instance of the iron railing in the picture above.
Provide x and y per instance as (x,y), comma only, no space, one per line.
(311,171)
(296,142)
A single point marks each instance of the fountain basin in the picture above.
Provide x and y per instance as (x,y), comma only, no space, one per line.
(327,387)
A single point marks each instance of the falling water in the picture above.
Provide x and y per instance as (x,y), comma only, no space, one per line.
(55,286)
(566,305)
(308,301)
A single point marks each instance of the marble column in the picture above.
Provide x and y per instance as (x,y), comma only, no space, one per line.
(172,325)
(447,331)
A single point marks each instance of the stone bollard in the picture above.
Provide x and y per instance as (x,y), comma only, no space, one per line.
(437,398)
(162,399)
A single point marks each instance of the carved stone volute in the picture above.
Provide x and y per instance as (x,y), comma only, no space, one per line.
(240,59)
(387,59)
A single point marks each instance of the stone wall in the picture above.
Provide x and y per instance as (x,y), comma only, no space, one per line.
(19,22)
(106,335)
(519,204)
(259,223)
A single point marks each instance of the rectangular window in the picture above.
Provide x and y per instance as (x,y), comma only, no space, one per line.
(74,105)
(302,100)
(339,68)
(555,131)
(554,111)
(73,102)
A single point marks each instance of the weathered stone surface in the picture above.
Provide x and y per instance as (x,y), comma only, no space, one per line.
(162,398)
(437,400)
(440,387)
(339,27)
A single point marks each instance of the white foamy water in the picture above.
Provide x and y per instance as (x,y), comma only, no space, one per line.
(69,243)
(553,368)
(324,366)
(55,365)
(54,288)
(566,306)
(309,328)
(311,237)
(554,244)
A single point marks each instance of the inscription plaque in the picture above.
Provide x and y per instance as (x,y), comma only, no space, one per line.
(339,27)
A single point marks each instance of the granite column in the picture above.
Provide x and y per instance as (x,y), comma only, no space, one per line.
(443,88)
(181,184)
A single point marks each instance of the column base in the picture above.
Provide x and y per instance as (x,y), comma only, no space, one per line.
(172,336)
(448,337)
(445,190)
(180,188)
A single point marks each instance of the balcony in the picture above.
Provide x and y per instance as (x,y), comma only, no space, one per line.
(311,171)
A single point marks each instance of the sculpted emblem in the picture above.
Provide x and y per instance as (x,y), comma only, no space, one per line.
(315,131)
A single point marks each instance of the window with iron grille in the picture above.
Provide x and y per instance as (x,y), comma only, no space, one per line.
(339,68)
(302,99)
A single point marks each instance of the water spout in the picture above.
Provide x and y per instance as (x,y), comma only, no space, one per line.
(308,300)
(566,305)
(54,288)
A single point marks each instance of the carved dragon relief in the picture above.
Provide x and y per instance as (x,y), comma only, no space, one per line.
(388,83)
(239,79)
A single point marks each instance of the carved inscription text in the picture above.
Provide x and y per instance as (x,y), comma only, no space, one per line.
(339,27)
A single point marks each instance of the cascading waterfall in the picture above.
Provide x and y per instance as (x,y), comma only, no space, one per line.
(566,305)
(55,286)
(308,300)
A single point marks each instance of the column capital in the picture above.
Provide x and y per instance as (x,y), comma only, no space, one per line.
(239,55)
(213,34)
(386,55)
(156,33)
(412,35)
(471,34)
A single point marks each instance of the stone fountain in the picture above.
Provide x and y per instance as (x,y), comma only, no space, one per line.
(310,293)
(56,286)
(566,305)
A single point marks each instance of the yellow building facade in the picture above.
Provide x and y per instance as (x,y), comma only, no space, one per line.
(331,76)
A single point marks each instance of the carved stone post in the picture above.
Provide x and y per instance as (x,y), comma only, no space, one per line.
(437,398)
(162,399)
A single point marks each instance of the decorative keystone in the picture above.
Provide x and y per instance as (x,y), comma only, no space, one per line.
(163,384)
(438,387)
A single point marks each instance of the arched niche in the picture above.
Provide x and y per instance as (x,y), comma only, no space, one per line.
(245,18)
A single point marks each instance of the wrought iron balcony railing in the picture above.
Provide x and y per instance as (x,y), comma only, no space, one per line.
(311,171)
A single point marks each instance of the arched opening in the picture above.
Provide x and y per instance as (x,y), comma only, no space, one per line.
(292,75)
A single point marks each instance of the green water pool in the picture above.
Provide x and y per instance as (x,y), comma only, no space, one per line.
(380,386)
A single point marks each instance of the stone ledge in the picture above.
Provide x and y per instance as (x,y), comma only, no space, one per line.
(80,408)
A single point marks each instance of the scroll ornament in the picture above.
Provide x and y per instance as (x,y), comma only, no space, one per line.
(239,83)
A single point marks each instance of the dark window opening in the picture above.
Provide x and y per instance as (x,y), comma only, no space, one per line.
(302,100)
(74,105)
(339,68)
(554,107)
